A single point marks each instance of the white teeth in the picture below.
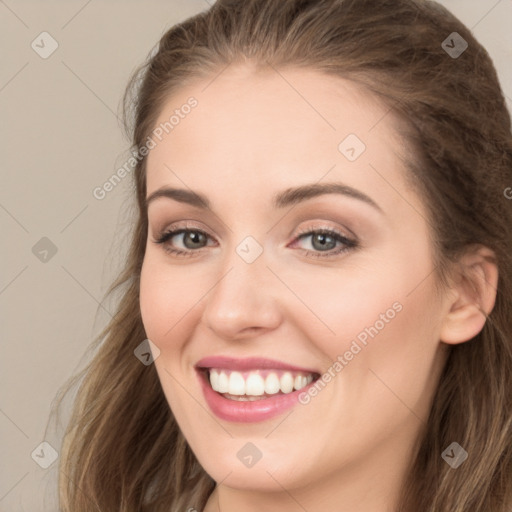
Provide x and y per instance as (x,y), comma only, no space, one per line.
(272,384)
(299,382)
(286,382)
(214,379)
(219,381)
(236,384)
(255,385)
(223,383)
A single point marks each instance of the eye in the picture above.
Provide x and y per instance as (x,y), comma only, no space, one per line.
(324,242)
(191,238)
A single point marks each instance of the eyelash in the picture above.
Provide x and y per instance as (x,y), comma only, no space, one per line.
(349,244)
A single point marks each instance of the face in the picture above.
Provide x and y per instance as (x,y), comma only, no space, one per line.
(271,289)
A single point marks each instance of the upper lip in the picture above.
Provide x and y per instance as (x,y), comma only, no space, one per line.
(249,363)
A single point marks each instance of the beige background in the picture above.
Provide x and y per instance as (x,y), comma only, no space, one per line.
(60,139)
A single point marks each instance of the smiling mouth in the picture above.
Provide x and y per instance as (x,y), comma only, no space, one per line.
(259,384)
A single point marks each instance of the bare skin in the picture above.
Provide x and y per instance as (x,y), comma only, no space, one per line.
(250,137)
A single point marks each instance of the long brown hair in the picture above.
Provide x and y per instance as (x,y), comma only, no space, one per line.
(123,450)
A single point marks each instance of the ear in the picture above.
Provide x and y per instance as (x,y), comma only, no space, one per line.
(473,294)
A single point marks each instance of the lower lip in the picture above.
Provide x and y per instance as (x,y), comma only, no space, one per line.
(248,412)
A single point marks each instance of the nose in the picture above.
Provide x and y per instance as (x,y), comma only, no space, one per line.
(243,302)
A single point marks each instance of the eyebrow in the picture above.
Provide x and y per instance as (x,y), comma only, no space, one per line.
(288,197)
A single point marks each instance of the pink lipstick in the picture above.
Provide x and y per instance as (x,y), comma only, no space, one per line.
(251,389)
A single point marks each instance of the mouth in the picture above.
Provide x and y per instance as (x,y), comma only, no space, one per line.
(258,384)
(255,389)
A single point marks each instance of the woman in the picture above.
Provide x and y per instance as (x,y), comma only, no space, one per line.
(317,302)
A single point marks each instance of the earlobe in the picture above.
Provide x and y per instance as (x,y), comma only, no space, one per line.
(473,296)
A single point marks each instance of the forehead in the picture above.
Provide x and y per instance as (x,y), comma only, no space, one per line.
(254,128)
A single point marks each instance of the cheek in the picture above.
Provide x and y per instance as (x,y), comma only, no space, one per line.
(385,320)
(340,306)
(167,300)
(384,362)
(378,292)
